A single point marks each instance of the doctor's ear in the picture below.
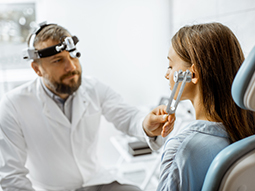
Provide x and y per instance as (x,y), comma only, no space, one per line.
(194,74)
(36,68)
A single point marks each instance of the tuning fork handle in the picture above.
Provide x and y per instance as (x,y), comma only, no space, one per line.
(178,77)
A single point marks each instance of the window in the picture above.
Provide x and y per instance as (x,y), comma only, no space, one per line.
(16,22)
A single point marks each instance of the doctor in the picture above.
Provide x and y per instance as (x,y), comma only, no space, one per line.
(49,127)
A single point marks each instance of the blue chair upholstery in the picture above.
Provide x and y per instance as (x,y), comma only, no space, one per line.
(228,157)
(233,169)
(243,85)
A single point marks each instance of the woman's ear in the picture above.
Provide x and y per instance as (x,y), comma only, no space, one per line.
(194,74)
(36,68)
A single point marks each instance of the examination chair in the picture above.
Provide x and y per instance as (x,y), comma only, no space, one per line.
(233,169)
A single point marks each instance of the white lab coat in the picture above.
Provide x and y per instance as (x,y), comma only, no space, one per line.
(59,155)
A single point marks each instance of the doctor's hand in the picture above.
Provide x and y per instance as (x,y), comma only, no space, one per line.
(158,122)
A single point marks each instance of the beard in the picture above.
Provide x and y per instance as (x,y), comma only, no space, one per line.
(60,87)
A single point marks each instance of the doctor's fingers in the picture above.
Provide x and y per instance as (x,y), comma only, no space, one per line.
(171,118)
(167,128)
(160,110)
(158,130)
(159,119)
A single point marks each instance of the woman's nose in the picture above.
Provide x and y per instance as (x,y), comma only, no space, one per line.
(167,75)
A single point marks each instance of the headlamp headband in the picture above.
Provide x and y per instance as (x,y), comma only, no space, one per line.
(68,44)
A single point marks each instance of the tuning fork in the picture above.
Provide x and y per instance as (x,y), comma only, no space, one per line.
(179,76)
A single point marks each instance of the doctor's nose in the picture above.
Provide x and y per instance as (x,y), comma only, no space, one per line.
(70,64)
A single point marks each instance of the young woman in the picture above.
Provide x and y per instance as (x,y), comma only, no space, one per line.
(213,55)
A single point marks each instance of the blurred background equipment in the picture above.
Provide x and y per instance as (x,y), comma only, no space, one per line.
(17,20)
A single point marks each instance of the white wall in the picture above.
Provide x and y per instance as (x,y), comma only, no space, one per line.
(123,42)
(238,15)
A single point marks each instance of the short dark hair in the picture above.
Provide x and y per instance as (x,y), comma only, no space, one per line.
(52,31)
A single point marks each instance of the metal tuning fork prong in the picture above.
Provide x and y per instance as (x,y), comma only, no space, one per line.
(179,76)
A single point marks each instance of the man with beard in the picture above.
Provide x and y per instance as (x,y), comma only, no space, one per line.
(49,127)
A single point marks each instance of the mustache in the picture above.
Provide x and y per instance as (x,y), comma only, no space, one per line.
(70,74)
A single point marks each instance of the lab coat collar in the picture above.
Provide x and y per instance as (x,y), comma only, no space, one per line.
(81,101)
(52,111)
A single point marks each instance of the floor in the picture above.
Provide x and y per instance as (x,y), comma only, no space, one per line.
(134,170)
(138,178)
(137,173)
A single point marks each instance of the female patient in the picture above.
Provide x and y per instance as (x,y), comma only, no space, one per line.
(213,55)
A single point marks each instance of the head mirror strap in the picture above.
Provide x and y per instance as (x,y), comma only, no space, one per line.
(36,32)
(55,49)
(41,27)
(50,51)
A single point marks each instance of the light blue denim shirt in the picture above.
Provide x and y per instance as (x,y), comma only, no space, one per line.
(187,157)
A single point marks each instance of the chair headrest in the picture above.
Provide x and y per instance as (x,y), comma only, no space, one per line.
(243,86)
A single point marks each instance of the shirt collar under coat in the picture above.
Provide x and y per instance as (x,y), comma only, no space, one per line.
(81,101)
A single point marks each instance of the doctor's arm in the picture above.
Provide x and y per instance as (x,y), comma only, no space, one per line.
(130,120)
(12,151)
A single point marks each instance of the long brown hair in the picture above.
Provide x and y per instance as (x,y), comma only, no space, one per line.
(217,55)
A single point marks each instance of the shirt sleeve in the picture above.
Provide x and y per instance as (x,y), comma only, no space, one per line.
(12,151)
(125,117)
(169,172)
(172,168)
(156,142)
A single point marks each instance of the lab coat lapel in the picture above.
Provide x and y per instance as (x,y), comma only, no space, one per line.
(50,108)
(52,111)
(80,104)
